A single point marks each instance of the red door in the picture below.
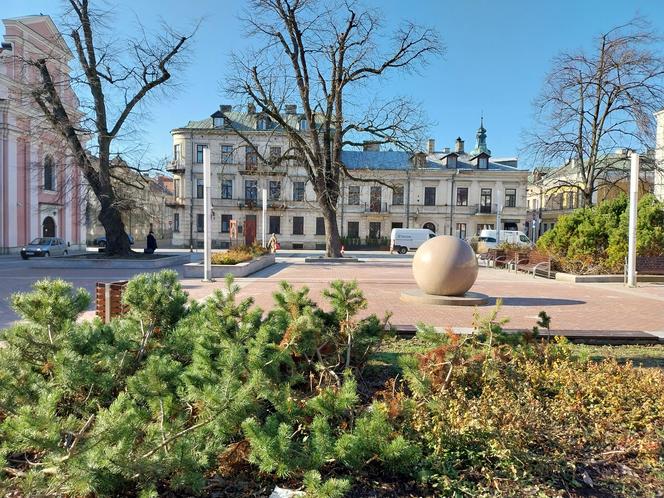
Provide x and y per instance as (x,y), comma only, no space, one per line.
(250,229)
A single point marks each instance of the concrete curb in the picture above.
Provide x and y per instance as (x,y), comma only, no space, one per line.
(71,262)
(195,270)
(615,337)
(606,279)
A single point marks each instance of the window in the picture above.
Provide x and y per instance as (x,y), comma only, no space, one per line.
(263,124)
(429,196)
(482,163)
(200,223)
(397,224)
(303,124)
(510,197)
(320,226)
(461,230)
(298,225)
(177,151)
(227,154)
(274,193)
(275,155)
(250,157)
(226,223)
(353,229)
(485,200)
(524,239)
(462,196)
(199,153)
(354,195)
(275,224)
(375,199)
(397,195)
(251,190)
(49,173)
(374,229)
(218,122)
(199,188)
(177,191)
(298,191)
(176,222)
(226,189)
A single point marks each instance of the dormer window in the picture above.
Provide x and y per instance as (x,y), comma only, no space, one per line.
(303,124)
(263,124)
(482,162)
(450,160)
(218,122)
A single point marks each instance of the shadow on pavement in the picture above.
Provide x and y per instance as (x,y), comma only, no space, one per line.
(535,301)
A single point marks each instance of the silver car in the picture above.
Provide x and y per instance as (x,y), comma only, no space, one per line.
(44,246)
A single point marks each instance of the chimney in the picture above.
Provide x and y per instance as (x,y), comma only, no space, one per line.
(251,109)
(368,145)
(446,150)
(291,109)
(431,146)
(459,146)
(225,108)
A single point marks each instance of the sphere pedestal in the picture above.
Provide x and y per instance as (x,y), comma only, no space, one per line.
(468,299)
(445,268)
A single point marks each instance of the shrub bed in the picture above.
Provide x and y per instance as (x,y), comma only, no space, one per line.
(594,240)
(238,254)
(177,396)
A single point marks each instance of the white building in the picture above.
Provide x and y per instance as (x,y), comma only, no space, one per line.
(451,192)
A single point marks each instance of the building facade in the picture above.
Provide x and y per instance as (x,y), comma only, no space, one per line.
(41,191)
(449,191)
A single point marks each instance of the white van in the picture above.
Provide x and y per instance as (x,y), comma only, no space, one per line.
(487,239)
(404,239)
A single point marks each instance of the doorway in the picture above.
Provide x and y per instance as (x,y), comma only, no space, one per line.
(249,229)
(48,227)
(430,226)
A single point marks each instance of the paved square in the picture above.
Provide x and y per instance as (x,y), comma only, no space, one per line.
(601,307)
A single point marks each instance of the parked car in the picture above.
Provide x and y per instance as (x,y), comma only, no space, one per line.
(45,247)
(404,239)
(487,239)
(101,241)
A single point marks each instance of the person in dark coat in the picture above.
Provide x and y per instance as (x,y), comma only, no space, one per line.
(152,244)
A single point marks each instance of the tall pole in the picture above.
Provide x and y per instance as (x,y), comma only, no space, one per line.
(264,216)
(633,201)
(499,208)
(207,209)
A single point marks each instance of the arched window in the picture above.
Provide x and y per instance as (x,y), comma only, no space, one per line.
(49,173)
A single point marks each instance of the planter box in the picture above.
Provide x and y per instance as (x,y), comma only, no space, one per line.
(95,263)
(195,270)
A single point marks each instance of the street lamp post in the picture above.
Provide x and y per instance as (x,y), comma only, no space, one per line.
(207,229)
(633,202)
(263,228)
(499,208)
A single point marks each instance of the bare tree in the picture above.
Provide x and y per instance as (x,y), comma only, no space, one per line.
(592,104)
(118,79)
(315,52)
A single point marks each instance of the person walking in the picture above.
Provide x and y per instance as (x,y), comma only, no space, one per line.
(273,243)
(151,244)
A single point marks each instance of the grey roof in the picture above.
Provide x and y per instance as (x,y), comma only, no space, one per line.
(399,160)
(614,162)
(242,121)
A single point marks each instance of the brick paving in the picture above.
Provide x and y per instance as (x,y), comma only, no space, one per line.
(595,307)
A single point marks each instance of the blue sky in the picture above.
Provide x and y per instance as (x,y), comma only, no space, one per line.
(497,53)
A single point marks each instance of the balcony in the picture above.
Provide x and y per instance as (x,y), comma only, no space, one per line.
(175,203)
(486,209)
(176,167)
(250,204)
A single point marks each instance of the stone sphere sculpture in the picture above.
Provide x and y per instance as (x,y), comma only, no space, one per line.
(445,266)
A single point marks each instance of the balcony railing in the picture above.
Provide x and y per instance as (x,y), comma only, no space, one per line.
(176,166)
(175,202)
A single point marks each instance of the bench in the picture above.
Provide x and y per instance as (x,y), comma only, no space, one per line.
(532,262)
(650,265)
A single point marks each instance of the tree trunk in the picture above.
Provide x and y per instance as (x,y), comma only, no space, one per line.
(332,238)
(117,241)
(588,198)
